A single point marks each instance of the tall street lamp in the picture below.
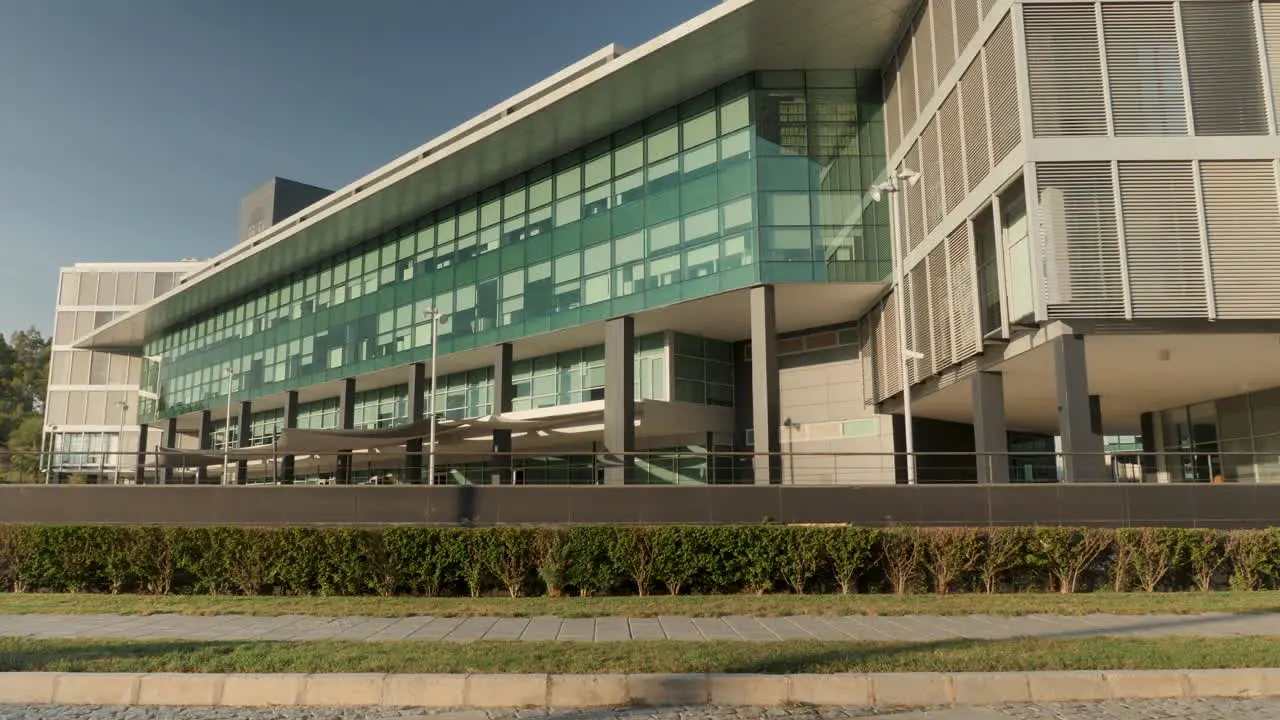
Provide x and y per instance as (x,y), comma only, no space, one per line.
(124,407)
(53,447)
(230,375)
(436,317)
(893,187)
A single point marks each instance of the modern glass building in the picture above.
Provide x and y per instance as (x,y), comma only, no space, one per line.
(686,250)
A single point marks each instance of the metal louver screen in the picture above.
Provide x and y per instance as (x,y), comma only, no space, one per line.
(967,19)
(1065,70)
(1241,217)
(918,336)
(965,340)
(944,27)
(1144,69)
(1162,239)
(892,110)
(932,175)
(885,360)
(1002,81)
(1078,222)
(986,7)
(926,79)
(913,203)
(942,350)
(1270,10)
(907,84)
(953,176)
(1223,67)
(976,150)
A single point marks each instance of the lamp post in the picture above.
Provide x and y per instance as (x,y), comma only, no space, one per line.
(893,187)
(230,375)
(53,446)
(435,316)
(124,407)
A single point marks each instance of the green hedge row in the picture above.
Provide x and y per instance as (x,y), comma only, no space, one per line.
(602,560)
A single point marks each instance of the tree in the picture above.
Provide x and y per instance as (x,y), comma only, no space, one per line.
(25,442)
(28,370)
(24,380)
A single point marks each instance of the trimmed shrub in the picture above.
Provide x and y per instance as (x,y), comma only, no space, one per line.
(1253,557)
(901,551)
(1069,552)
(1150,553)
(598,560)
(1001,551)
(634,552)
(851,551)
(429,560)
(949,553)
(1206,552)
(507,555)
(803,555)
(591,569)
(551,553)
(680,554)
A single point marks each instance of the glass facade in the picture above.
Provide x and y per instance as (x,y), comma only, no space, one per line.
(760,180)
(1235,439)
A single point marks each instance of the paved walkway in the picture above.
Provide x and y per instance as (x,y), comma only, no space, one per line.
(1224,709)
(916,628)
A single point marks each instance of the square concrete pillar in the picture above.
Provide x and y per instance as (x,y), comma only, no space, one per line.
(346,421)
(500,460)
(1078,414)
(990,434)
(244,438)
(290,421)
(140,474)
(619,399)
(766,415)
(206,442)
(418,388)
(170,440)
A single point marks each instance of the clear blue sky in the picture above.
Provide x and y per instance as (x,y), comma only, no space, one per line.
(131,129)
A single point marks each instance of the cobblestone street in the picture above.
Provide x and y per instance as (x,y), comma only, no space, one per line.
(1222,709)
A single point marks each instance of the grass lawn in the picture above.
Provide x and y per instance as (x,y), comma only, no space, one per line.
(634,657)
(699,606)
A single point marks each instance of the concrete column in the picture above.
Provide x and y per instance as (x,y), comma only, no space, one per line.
(206,442)
(244,436)
(140,475)
(413,449)
(170,440)
(501,458)
(1149,448)
(290,422)
(619,399)
(990,434)
(1081,445)
(766,414)
(346,421)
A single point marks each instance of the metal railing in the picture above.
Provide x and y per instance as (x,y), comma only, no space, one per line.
(679,468)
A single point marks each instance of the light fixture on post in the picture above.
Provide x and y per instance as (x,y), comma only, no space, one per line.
(123,407)
(435,316)
(230,375)
(894,187)
(53,446)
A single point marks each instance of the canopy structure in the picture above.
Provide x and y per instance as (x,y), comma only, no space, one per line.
(450,434)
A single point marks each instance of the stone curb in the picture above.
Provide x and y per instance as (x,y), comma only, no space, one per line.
(898,690)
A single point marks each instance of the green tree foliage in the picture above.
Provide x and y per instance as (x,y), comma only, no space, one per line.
(24,378)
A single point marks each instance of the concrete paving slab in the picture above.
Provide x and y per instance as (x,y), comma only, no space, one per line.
(577,630)
(679,628)
(542,628)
